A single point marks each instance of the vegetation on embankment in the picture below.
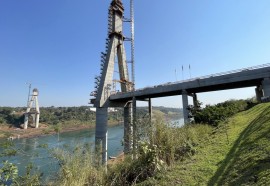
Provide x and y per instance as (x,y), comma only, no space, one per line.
(236,153)
(159,148)
(214,114)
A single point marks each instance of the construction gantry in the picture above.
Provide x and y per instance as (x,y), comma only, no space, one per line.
(105,93)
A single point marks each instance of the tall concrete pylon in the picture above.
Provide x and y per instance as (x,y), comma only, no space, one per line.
(36,113)
(104,82)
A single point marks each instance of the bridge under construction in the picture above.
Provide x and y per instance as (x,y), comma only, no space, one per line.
(105,95)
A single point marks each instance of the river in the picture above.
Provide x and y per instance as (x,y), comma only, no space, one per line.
(30,149)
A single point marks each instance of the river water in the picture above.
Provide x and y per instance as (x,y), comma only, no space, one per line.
(29,150)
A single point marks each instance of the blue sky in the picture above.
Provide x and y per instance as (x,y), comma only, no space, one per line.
(56,45)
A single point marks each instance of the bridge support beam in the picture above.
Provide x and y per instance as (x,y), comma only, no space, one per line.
(195,101)
(185,106)
(150,109)
(127,128)
(134,124)
(266,87)
(102,133)
(259,93)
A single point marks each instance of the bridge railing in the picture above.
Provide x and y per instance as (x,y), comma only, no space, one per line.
(210,76)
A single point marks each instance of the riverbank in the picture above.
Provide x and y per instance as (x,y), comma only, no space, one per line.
(235,154)
(10,132)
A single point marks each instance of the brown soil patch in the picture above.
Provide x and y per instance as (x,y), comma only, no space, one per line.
(43,130)
(33,132)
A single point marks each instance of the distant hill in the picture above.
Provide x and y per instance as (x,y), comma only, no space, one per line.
(84,114)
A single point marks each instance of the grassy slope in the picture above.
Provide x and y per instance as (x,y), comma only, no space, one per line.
(238,154)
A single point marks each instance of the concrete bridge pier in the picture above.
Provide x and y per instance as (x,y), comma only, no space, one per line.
(259,93)
(37,119)
(102,133)
(150,109)
(266,87)
(127,128)
(195,101)
(134,124)
(185,106)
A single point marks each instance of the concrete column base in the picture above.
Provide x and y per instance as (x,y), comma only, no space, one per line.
(25,126)
(266,87)
(259,93)
(185,106)
(134,124)
(195,101)
(150,109)
(127,129)
(37,120)
(102,133)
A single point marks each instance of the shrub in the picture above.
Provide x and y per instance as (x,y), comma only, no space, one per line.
(8,173)
(160,147)
(77,167)
(31,176)
(214,114)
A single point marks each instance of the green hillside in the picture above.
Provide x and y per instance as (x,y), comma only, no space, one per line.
(238,153)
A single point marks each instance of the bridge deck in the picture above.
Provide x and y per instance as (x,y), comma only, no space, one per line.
(247,77)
